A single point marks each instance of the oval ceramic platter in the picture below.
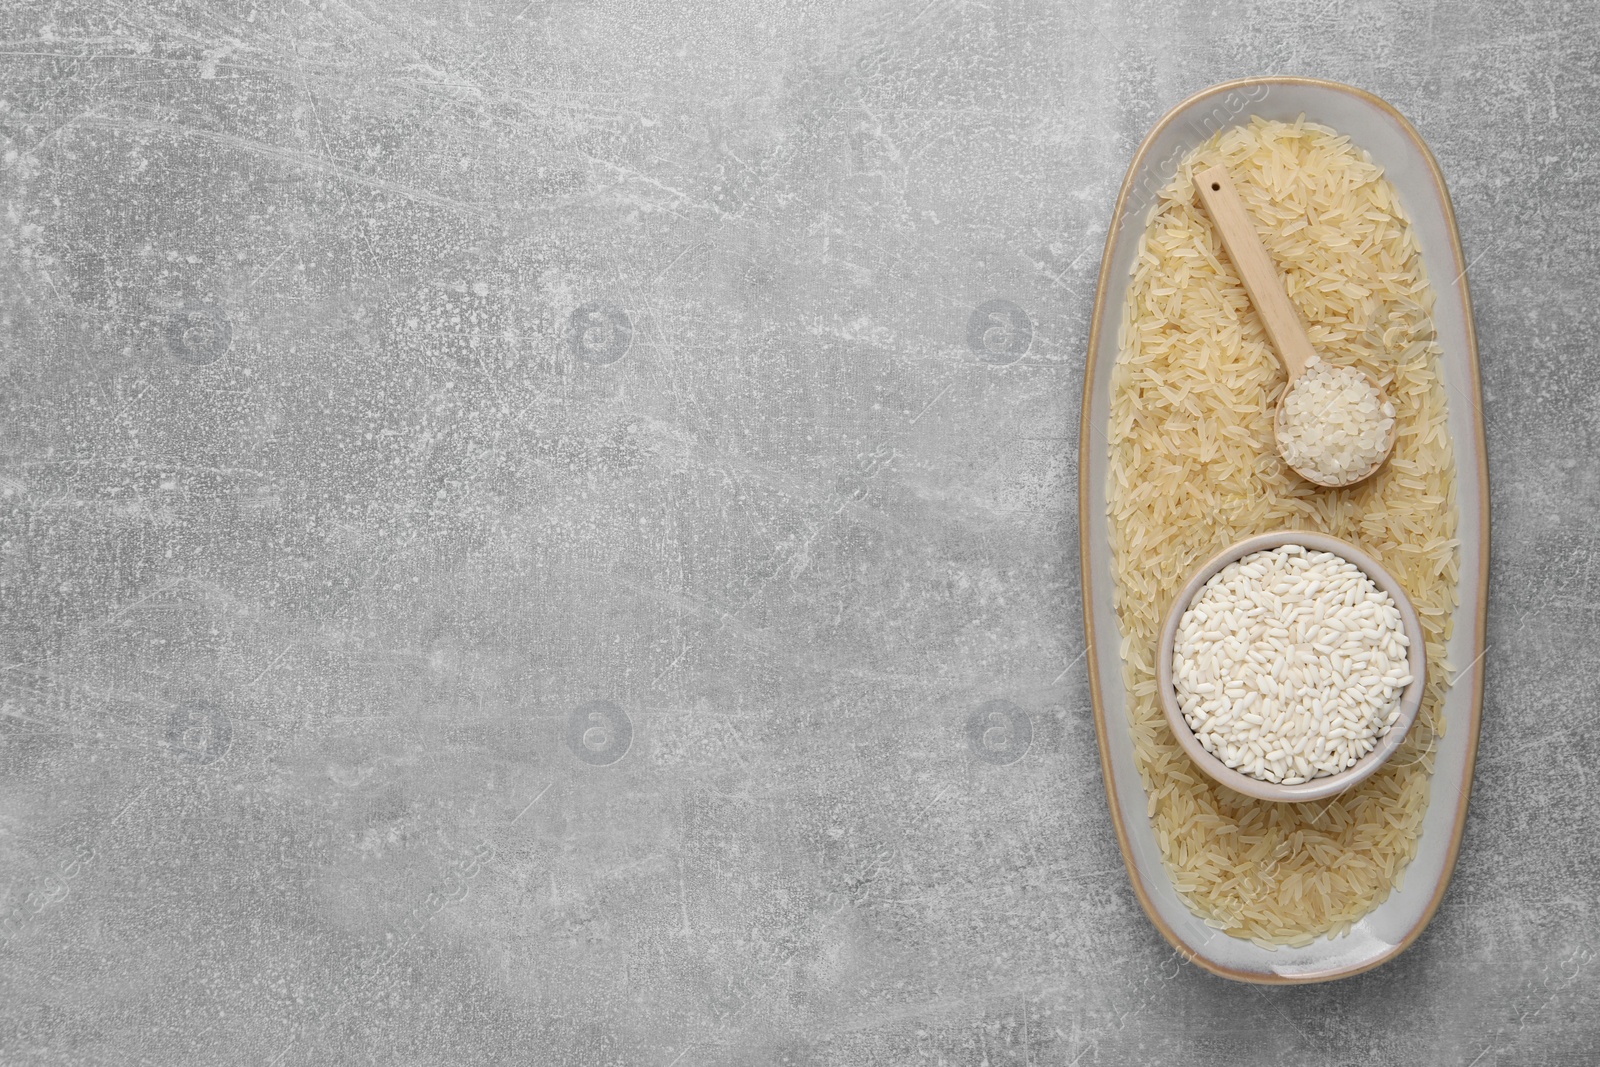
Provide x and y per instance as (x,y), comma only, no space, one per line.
(1396,146)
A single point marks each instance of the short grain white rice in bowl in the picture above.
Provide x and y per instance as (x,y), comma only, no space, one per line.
(1291,666)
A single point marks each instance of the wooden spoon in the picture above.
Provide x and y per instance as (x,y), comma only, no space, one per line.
(1271,299)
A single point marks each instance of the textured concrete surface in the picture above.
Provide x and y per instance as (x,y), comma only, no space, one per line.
(539,532)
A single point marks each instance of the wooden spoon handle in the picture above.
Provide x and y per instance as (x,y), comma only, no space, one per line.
(1254,264)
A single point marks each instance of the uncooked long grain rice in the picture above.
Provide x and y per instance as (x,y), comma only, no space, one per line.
(1194,468)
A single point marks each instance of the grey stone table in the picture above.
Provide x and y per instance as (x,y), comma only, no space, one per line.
(503,533)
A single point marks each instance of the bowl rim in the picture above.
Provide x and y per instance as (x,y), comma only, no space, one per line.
(1328,785)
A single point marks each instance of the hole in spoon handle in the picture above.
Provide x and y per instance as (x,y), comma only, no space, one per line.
(1262,281)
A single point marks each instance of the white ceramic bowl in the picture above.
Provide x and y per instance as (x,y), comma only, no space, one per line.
(1316,788)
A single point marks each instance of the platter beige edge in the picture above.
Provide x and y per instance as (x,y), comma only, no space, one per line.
(1395,145)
